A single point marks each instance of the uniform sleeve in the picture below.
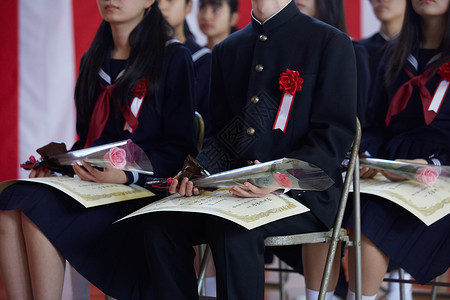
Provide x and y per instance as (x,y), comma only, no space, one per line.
(332,123)
(178,132)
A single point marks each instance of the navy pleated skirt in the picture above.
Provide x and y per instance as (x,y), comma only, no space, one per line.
(421,250)
(111,256)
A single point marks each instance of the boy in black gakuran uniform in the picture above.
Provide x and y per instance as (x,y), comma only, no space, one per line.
(247,125)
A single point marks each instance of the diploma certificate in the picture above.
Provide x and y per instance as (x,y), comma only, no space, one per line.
(247,212)
(88,193)
(428,203)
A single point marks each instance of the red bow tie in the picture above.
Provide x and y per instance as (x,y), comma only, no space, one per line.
(403,94)
(100,114)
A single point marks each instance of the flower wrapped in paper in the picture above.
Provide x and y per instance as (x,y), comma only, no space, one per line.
(124,155)
(426,174)
(281,173)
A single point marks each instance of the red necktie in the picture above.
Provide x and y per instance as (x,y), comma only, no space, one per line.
(99,116)
(403,94)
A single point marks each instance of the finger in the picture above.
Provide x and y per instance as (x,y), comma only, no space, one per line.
(182,189)
(91,170)
(82,174)
(173,186)
(252,188)
(189,188)
(256,162)
(196,191)
(240,192)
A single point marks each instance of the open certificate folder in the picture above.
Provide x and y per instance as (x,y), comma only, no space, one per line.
(247,212)
(428,203)
(89,194)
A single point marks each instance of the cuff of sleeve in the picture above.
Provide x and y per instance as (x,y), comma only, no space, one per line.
(434,161)
(133,177)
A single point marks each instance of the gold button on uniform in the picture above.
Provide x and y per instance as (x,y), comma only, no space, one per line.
(250,131)
(255,99)
(259,68)
(263,37)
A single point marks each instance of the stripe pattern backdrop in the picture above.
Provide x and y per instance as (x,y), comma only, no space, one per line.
(41,44)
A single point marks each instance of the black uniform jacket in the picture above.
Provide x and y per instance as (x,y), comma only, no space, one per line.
(246,95)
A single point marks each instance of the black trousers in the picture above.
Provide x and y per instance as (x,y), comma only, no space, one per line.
(238,253)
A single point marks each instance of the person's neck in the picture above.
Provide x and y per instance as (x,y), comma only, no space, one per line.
(433,30)
(120,34)
(179,33)
(391,28)
(264,9)
(214,40)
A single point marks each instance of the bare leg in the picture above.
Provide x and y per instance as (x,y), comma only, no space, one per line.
(13,257)
(314,260)
(374,264)
(47,266)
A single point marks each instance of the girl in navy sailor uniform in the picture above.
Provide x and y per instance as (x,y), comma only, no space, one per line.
(175,12)
(390,14)
(41,226)
(416,133)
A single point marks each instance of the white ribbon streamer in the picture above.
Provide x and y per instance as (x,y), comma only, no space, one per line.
(438,96)
(283,112)
(135,107)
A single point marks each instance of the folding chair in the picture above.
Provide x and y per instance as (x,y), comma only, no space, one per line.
(437,282)
(332,236)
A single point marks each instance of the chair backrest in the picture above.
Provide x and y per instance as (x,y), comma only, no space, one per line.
(200,125)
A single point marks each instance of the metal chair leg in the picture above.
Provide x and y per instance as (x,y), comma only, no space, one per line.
(357,232)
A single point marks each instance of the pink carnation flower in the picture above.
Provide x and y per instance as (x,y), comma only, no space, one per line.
(282,180)
(117,157)
(427,175)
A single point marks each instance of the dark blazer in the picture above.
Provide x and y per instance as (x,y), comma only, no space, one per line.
(246,95)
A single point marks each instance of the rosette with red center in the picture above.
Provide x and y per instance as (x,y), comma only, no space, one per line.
(290,82)
(444,71)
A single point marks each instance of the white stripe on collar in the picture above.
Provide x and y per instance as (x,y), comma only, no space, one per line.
(413,61)
(200,53)
(387,38)
(262,23)
(434,58)
(104,76)
(171,41)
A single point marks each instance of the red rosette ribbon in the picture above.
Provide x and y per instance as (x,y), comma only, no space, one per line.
(442,88)
(132,113)
(290,82)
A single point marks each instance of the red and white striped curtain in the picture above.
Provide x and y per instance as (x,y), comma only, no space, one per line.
(41,44)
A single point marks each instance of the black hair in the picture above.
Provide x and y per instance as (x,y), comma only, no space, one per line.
(233,4)
(147,45)
(409,38)
(331,12)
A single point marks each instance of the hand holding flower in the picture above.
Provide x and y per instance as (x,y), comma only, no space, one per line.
(108,175)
